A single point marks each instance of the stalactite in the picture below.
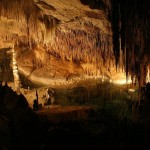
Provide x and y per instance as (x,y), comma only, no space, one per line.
(115,28)
(131,24)
(31,19)
(86,48)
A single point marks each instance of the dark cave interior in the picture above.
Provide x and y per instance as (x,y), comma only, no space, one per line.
(130,24)
(76,49)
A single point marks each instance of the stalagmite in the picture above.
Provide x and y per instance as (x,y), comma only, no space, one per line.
(15,71)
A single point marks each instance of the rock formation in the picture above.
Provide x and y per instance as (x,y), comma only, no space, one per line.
(55,39)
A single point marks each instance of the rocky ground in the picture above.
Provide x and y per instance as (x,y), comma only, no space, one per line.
(115,125)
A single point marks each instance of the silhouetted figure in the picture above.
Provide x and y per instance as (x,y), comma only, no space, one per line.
(35,105)
(22,102)
(37,96)
(35,102)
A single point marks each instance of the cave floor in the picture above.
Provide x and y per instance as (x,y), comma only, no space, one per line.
(57,113)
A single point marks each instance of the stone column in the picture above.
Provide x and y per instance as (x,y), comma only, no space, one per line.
(15,71)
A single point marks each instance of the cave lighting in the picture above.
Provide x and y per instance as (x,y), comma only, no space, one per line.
(131,90)
(15,71)
(148,76)
(120,78)
(122,81)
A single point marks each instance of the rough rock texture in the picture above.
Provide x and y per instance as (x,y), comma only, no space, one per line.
(57,39)
(131,22)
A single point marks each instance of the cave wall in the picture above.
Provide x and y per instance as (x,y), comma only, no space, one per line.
(47,34)
(56,39)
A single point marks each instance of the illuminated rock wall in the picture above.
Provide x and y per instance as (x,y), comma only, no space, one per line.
(54,39)
(58,39)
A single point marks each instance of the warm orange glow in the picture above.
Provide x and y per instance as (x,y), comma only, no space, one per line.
(122,81)
(120,78)
(148,76)
(131,90)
